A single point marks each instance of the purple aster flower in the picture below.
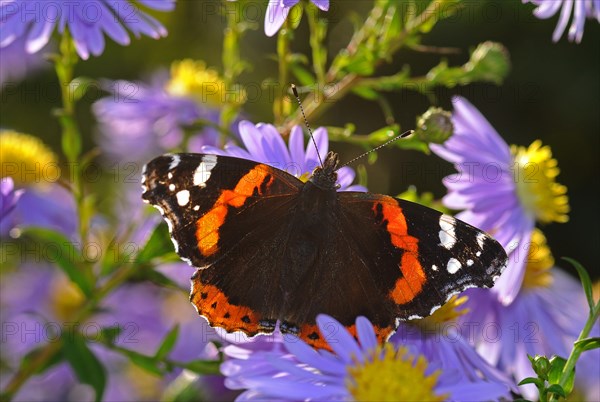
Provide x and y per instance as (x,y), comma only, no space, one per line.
(356,370)
(16,63)
(278,10)
(264,144)
(87,21)
(498,190)
(49,206)
(545,318)
(8,196)
(580,9)
(140,121)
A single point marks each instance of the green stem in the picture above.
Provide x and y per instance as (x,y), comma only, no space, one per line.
(283,55)
(577,351)
(317,33)
(64,65)
(232,66)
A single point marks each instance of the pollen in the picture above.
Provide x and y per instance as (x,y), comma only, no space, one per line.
(27,159)
(388,374)
(537,189)
(192,78)
(449,312)
(539,262)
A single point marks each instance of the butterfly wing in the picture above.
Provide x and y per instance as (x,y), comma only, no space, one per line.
(221,213)
(391,259)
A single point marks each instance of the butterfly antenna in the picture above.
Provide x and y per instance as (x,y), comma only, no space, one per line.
(295,91)
(385,144)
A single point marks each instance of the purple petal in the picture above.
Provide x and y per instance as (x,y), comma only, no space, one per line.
(321,4)
(275,16)
(322,141)
(340,340)
(296,145)
(366,334)
(565,14)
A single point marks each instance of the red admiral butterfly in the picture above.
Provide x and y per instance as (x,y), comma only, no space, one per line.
(270,247)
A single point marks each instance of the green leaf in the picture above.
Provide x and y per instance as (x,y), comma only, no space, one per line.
(167,344)
(65,254)
(585,281)
(532,380)
(85,364)
(108,335)
(304,76)
(33,355)
(557,366)
(557,389)
(588,344)
(148,363)
(203,366)
(158,245)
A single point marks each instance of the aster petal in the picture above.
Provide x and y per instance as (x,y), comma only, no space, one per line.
(274,147)
(577,26)
(321,4)
(546,9)
(340,340)
(346,176)
(308,355)
(322,140)
(565,15)
(366,334)
(252,139)
(159,5)
(275,16)
(39,35)
(296,145)
(289,3)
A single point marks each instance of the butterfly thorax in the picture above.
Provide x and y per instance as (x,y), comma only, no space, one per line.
(325,176)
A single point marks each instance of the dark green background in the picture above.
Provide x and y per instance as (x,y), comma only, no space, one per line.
(552,93)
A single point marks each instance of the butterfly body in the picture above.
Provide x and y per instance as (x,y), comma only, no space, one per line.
(269,247)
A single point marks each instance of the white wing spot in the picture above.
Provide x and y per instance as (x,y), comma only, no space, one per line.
(196,207)
(434,267)
(202,172)
(447,234)
(169,175)
(478,254)
(183,197)
(414,317)
(172,187)
(469,263)
(480,239)
(453,265)
(175,159)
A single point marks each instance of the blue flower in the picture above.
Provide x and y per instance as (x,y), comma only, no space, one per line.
(264,144)
(8,196)
(580,9)
(356,369)
(278,10)
(498,189)
(139,121)
(87,21)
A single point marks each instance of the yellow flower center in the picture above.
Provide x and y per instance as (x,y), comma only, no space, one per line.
(539,262)
(392,375)
(65,298)
(27,160)
(447,313)
(538,191)
(192,78)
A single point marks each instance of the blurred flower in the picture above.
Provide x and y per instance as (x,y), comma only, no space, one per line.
(364,370)
(278,10)
(27,159)
(545,318)
(502,190)
(139,121)
(8,196)
(264,144)
(580,9)
(33,166)
(86,21)
(16,63)
(193,79)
